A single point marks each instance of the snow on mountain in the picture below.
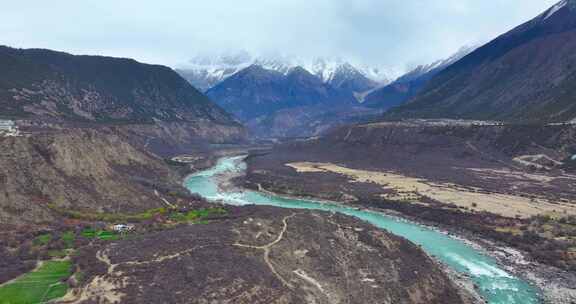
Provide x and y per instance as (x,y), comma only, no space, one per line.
(571,4)
(554,9)
(437,65)
(206,71)
(409,84)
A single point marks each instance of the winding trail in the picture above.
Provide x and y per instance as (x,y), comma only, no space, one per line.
(268,247)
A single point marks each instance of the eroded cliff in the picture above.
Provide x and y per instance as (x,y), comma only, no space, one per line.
(79,169)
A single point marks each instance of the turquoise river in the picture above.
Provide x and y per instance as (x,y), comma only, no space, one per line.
(495,284)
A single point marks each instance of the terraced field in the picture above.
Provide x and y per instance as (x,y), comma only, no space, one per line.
(39,286)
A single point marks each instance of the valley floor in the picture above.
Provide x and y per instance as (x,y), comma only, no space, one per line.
(507,212)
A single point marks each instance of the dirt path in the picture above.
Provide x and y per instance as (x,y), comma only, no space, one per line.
(103,287)
(165,201)
(268,247)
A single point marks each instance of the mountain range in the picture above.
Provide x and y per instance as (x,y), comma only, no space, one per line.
(272,103)
(204,72)
(256,91)
(525,75)
(290,97)
(297,98)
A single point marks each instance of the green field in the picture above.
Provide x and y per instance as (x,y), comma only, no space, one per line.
(38,286)
(43,239)
(100,234)
(197,215)
(68,237)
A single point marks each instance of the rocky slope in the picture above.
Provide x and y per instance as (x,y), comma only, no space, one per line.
(45,85)
(78,169)
(309,121)
(265,255)
(526,74)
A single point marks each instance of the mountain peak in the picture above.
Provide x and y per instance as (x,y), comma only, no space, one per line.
(253,68)
(522,60)
(564,4)
(298,70)
(301,72)
(257,73)
(301,75)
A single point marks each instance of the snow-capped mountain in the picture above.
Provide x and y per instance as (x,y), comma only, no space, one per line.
(409,84)
(571,4)
(273,104)
(524,75)
(436,66)
(329,69)
(204,72)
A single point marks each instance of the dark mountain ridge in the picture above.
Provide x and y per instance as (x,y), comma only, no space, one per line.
(256,91)
(97,89)
(274,104)
(409,84)
(527,74)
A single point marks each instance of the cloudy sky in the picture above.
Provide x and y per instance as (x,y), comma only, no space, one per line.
(397,33)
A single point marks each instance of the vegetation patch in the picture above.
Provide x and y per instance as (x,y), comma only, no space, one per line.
(42,239)
(109,217)
(68,238)
(39,286)
(100,234)
(57,253)
(198,216)
(107,235)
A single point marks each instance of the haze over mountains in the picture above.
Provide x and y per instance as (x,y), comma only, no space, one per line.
(498,81)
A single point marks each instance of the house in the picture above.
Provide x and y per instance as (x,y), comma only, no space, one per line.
(123,228)
(7,125)
(8,128)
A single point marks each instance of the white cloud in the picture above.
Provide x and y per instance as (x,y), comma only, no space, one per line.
(389,32)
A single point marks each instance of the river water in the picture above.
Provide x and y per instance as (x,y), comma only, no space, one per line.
(496,285)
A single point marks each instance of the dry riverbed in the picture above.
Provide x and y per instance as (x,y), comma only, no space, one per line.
(471,198)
